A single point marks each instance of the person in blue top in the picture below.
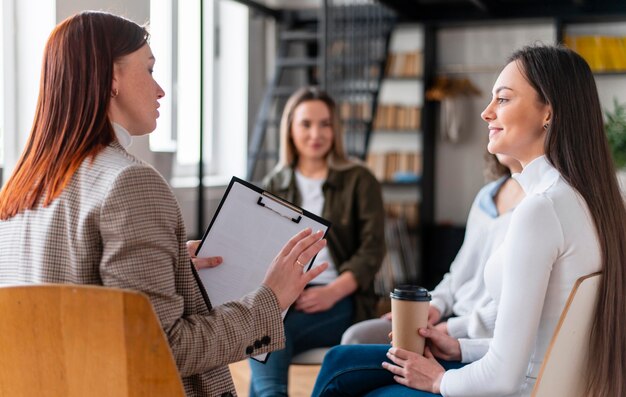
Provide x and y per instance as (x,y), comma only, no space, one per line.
(461,306)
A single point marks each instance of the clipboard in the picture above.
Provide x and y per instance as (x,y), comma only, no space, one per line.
(248,230)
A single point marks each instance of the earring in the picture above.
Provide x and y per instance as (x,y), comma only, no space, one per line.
(545,126)
(114,93)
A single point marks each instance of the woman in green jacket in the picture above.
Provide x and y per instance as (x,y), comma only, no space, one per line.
(315,173)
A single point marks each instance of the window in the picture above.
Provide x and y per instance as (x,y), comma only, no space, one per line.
(24,34)
(219,103)
(1,91)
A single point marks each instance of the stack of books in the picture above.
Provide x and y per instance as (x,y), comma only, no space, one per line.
(404,64)
(355,110)
(396,166)
(397,117)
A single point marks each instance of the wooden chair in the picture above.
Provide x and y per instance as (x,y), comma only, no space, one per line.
(562,371)
(75,340)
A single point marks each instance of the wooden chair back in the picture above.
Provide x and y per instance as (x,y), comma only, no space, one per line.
(562,372)
(76,340)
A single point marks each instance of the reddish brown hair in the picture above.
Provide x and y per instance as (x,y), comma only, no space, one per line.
(71,122)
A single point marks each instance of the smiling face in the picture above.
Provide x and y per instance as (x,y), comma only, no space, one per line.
(135,93)
(516,117)
(311,130)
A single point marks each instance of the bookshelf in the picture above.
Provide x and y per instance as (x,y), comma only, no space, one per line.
(395,150)
(395,154)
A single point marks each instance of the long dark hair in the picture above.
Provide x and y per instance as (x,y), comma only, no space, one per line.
(71,121)
(577,147)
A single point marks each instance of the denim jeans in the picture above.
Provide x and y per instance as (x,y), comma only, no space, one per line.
(356,370)
(302,332)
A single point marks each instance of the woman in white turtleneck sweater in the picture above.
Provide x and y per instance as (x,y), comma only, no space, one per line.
(461,306)
(545,112)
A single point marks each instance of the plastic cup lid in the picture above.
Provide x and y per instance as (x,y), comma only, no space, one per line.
(410,293)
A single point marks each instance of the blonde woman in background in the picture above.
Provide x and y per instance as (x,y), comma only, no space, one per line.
(315,173)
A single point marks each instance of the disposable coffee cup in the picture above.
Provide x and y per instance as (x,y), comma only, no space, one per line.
(409,312)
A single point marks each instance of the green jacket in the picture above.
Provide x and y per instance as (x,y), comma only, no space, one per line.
(356,239)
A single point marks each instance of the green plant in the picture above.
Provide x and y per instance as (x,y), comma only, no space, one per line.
(615,127)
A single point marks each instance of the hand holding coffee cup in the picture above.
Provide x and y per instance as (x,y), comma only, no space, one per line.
(409,312)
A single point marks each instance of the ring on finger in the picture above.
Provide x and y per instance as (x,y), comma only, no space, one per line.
(299,263)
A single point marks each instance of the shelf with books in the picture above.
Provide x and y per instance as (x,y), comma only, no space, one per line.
(395,155)
(397,123)
(404,167)
(401,64)
(394,116)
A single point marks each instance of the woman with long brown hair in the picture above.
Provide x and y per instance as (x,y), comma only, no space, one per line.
(80,209)
(544,112)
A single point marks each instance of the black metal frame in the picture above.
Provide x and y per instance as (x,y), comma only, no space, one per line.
(477,10)
(263,9)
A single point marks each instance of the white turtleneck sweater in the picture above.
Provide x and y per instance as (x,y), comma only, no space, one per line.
(551,242)
(462,291)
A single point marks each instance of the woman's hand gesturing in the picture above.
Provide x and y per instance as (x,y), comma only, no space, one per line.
(285,275)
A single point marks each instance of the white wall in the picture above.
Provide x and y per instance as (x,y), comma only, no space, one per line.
(483,50)
(137,10)
(231,113)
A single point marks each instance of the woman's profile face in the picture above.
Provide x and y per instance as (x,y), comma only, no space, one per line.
(135,92)
(516,117)
(311,130)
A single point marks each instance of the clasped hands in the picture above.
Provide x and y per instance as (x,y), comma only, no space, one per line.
(424,372)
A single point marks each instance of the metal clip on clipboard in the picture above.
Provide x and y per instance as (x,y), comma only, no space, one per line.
(281,202)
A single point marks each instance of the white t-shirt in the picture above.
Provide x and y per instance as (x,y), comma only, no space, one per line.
(551,242)
(313,201)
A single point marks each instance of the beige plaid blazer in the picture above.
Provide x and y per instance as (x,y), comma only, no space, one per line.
(118,224)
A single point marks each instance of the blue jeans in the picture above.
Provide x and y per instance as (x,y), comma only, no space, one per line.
(356,370)
(302,332)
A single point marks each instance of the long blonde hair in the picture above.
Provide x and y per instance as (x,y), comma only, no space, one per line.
(288,154)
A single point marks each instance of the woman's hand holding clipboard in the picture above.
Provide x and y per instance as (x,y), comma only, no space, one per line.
(263,240)
(285,275)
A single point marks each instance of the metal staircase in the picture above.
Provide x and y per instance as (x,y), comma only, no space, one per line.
(342,49)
